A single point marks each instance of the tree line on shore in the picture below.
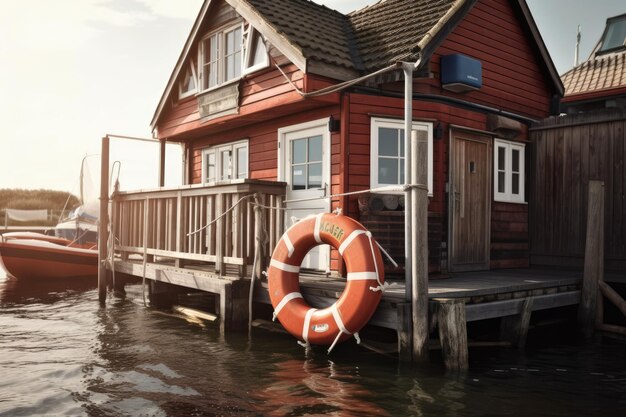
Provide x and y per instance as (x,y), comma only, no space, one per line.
(54,201)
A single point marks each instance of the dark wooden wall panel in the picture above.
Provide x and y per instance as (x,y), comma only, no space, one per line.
(569,151)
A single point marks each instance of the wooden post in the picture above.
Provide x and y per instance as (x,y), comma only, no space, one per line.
(515,328)
(161,162)
(613,296)
(103,223)
(405,329)
(453,333)
(419,245)
(594,259)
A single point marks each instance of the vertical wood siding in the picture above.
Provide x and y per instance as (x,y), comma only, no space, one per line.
(569,152)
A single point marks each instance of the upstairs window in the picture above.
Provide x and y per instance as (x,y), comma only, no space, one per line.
(508,161)
(388,154)
(255,54)
(615,34)
(226,162)
(228,54)
(188,84)
(221,57)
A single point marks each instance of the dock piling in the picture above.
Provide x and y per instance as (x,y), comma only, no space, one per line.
(594,259)
(453,333)
(103,223)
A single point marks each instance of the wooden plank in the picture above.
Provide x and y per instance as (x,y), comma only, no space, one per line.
(613,296)
(484,311)
(594,259)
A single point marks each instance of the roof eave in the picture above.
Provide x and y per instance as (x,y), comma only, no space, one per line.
(543,50)
(179,64)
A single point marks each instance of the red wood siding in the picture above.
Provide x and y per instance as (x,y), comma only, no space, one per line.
(509,235)
(513,78)
(259,92)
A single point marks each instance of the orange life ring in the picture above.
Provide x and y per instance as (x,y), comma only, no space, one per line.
(360,297)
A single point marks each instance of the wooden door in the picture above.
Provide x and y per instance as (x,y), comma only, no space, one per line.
(305,167)
(470,202)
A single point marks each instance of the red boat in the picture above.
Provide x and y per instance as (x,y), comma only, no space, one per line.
(45,257)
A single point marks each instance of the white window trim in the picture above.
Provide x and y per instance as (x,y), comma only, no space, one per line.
(216,150)
(315,127)
(221,58)
(247,56)
(507,196)
(191,92)
(246,47)
(378,122)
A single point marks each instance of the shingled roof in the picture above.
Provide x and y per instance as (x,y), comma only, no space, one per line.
(320,33)
(375,36)
(391,30)
(325,42)
(599,74)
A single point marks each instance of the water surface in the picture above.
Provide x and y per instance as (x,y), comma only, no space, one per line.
(62,354)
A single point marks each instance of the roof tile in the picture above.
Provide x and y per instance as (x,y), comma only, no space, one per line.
(602,72)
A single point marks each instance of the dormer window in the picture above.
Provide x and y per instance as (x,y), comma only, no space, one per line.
(188,84)
(614,35)
(221,57)
(255,56)
(228,54)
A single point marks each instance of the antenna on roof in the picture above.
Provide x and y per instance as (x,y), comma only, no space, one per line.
(577,50)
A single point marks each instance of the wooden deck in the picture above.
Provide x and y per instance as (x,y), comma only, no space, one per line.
(487,294)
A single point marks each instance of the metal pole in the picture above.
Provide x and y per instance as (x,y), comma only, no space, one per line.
(408,127)
(103,223)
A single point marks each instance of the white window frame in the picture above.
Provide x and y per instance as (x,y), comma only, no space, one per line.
(507,196)
(193,91)
(378,122)
(221,58)
(217,150)
(249,36)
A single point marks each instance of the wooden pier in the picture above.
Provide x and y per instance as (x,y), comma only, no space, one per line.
(200,238)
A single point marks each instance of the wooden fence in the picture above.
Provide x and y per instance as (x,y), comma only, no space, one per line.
(196,223)
(567,153)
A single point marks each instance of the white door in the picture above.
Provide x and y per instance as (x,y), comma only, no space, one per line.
(304,164)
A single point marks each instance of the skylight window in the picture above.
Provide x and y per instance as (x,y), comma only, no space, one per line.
(615,34)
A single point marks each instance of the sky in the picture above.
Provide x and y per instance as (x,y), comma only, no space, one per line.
(72,71)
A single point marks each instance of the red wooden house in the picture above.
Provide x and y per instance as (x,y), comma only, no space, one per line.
(244,99)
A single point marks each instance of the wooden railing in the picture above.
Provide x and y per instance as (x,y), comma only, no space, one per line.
(207,224)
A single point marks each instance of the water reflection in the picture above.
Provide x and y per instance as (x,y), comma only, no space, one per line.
(298,387)
(61,354)
(18,291)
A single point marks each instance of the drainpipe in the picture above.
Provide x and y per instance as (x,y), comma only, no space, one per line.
(408,127)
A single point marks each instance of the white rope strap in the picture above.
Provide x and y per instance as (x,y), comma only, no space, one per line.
(307,323)
(344,245)
(289,244)
(316,230)
(342,327)
(285,267)
(362,276)
(284,301)
(381,287)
